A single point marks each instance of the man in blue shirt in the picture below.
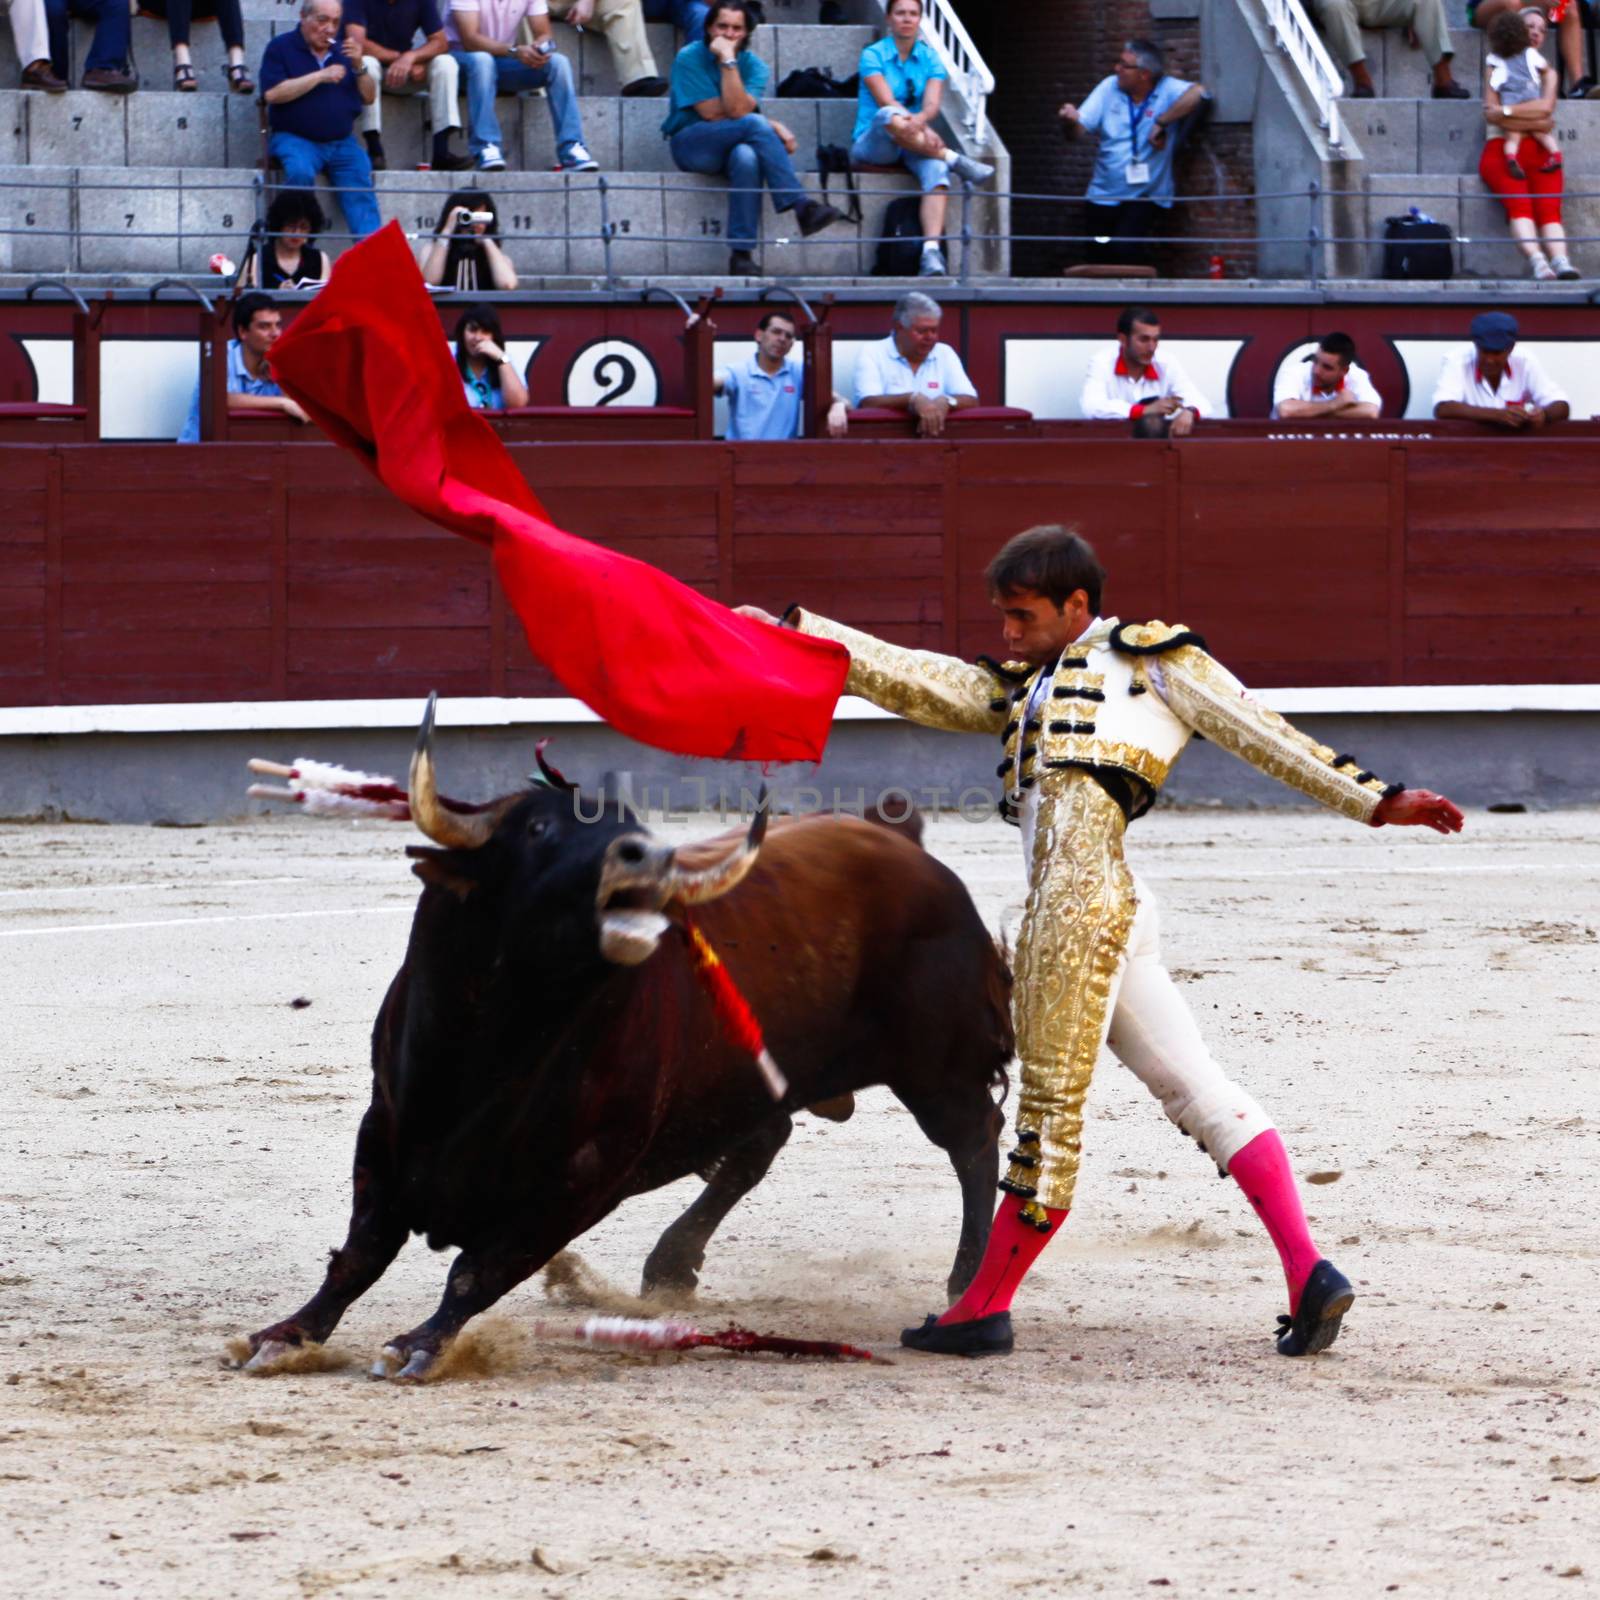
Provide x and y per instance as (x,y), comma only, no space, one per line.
(1130,194)
(258,324)
(716,127)
(766,394)
(386,33)
(315,89)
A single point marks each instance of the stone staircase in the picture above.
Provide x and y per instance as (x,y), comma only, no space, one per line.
(155,182)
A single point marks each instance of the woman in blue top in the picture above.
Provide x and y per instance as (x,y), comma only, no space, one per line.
(902,86)
(716,127)
(491,382)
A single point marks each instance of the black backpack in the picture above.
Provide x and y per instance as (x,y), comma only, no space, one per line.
(833,161)
(900,247)
(818,83)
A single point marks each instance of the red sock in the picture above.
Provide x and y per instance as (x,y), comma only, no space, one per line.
(1262,1170)
(1014,1246)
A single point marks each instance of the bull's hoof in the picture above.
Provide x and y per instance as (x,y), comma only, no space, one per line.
(400,1365)
(268,1354)
(669,1280)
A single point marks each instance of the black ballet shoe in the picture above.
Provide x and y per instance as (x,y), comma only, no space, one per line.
(1323,1303)
(982,1336)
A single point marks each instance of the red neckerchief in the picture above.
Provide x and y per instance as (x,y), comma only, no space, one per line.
(1152,373)
(1338,388)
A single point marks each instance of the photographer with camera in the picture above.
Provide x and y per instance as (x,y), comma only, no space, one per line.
(465,251)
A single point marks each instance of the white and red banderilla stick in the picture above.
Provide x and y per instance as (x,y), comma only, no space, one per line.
(667,1333)
(326,790)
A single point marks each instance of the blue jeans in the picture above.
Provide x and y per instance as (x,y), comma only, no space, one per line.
(489,75)
(689,15)
(877,149)
(348,169)
(108,52)
(750,154)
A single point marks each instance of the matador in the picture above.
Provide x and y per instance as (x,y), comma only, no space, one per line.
(1093,713)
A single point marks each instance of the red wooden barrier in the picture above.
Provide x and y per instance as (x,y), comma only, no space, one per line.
(277,571)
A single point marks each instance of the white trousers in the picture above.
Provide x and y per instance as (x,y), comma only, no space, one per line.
(28,31)
(443,87)
(1153,1034)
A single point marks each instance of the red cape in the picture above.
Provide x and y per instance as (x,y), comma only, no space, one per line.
(656,660)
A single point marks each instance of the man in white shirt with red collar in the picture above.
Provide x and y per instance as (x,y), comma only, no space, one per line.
(1126,383)
(1326,385)
(1490,381)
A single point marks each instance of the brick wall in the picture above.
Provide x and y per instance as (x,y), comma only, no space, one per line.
(1054,50)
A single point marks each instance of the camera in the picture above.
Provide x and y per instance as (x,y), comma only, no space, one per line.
(471,217)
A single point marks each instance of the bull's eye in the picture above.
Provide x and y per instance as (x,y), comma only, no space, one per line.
(538,827)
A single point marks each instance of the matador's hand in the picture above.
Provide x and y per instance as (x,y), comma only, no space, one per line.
(1419,808)
(756,614)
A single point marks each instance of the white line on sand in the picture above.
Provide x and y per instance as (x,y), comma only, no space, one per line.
(175,883)
(195,922)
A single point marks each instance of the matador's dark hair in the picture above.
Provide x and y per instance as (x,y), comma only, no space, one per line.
(1050,560)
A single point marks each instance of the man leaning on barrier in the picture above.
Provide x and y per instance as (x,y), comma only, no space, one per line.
(1126,381)
(1492,382)
(912,371)
(258,324)
(766,393)
(1327,386)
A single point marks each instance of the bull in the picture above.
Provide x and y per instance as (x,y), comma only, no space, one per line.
(546,1049)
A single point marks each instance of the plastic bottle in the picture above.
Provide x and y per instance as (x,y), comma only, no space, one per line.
(1217,268)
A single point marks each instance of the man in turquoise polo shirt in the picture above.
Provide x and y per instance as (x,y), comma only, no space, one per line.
(250,383)
(766,393)
(1135,112)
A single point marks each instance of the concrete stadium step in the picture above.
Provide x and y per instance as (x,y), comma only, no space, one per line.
(1447,135)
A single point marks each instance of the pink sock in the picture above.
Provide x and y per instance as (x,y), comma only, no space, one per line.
(1262,1170)
(1014,1246)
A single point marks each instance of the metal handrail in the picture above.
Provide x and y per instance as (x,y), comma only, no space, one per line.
(1308,55)
(794,294)
(56,283)
(953,45)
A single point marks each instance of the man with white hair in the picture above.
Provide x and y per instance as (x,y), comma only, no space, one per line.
(912,371)
(315,89)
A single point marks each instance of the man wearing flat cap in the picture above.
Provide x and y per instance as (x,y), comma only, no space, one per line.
(1491,381)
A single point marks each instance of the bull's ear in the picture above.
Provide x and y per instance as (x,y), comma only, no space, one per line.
(441,869)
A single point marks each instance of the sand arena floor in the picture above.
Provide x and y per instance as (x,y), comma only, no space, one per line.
(1421,1015)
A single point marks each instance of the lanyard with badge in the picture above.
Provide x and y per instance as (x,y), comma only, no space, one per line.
(1137,171)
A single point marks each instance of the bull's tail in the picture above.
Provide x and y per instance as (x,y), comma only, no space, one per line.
(998,998)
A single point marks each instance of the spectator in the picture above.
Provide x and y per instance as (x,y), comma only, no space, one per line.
(1517,76)
(490,381)
(1562,15)
(30,33)
(622,24)
(313,98)
(766,394)
(1532,196)
(687,16)
(1132,111)
(465,252)
(288,255)
(902,86)
(106,66)
(180,16)
(257,322)
(482,35)
(1425,25)
(1124,380)
(386,33)
(1328,387)
(1488,381)
(911,371)
(716,127)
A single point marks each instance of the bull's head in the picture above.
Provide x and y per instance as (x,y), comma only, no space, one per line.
(540,836)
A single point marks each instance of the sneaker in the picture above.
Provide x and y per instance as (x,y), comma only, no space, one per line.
(972,171)
(577,159)
(932,264)
(111,80)
(490,159)
(1563,268)
(1542,270)
(815,215)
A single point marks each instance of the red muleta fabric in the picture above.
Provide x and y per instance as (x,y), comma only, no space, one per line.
(656,660)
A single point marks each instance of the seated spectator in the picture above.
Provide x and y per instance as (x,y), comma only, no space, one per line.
(490,381)
(1425,25)
(257,324)
(1531,195)
(465,251)
(30,33)
(1132,111)
(716,127)
(902,88)
(621,23)
(288,253)
(911,371)
(314,88)
(386,32)
(766,394)
(483,41)
(687,16)
(1488,381)
(1564,16)
(106,66)
(1517,76)
(180,16)
(1328,387)
(1125,381)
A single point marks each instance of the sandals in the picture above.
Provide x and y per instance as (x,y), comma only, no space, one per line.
(239,79)
(183,77)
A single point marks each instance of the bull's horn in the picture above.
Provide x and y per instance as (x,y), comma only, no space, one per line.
(451,829)
(551,775)
(695,888)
